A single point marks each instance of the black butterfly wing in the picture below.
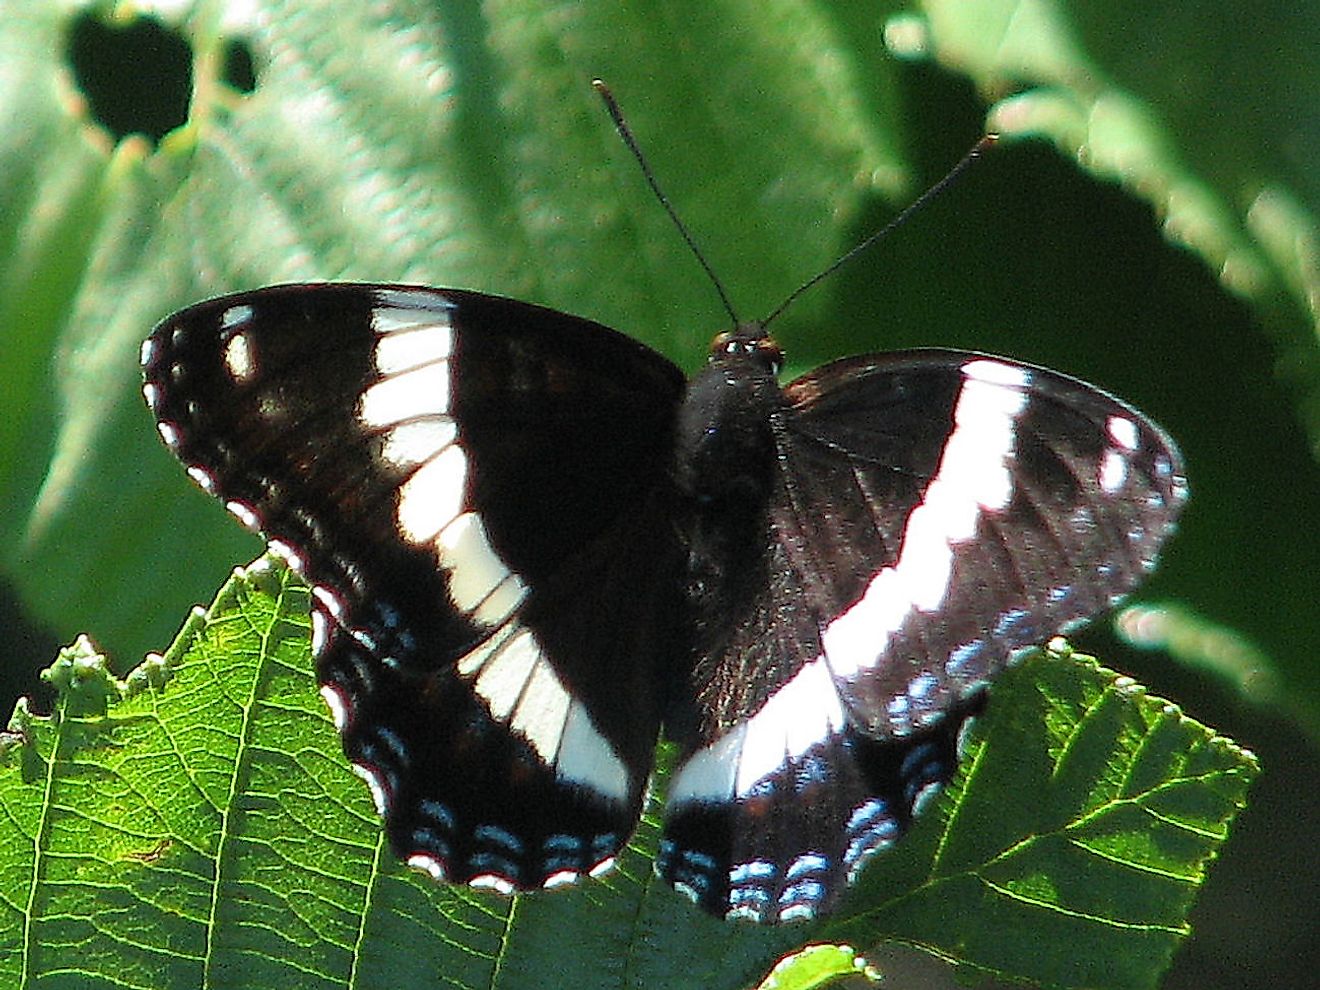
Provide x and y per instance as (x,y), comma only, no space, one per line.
(469,484)
(1035,502)
(934,514)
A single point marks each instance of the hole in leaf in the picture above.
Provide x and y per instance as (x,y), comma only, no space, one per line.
(136,77)
(239,72)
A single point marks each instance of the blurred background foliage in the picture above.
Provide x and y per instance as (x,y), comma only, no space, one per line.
(1148,224)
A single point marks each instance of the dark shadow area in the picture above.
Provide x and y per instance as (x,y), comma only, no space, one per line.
(138,77)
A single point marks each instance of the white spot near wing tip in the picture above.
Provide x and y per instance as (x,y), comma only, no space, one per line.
(169,434)
(151,394)
(1113,471)
(603,867)
(147,352)
(236,316)
(1123,432)
(430,305)
(996,373)
(238,358)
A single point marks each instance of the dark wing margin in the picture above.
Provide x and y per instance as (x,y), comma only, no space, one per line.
(468,484)
(938,514)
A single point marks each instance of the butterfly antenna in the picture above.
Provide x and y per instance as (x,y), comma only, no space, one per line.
(621,125)
(979,149)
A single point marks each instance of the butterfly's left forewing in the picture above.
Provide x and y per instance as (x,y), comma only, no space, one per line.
(934,514)
(470,486)
(1037,502)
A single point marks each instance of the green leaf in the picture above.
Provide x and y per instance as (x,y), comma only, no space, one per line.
(817,966)
(205,831)
(1077,838)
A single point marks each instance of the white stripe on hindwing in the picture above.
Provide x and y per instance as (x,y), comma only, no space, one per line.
(512,676)
(1114,465)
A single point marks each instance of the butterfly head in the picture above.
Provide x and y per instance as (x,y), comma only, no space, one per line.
(747,343)
(724,447)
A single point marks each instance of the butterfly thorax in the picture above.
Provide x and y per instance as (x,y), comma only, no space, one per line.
(724,471)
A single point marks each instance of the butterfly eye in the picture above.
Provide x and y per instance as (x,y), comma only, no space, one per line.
(748,341)
(726,344)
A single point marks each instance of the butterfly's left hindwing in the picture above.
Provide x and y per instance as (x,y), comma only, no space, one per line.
(470,484)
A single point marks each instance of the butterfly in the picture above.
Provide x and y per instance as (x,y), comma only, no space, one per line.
(534,547)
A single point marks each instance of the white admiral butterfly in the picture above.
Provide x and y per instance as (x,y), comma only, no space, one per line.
(533,547)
